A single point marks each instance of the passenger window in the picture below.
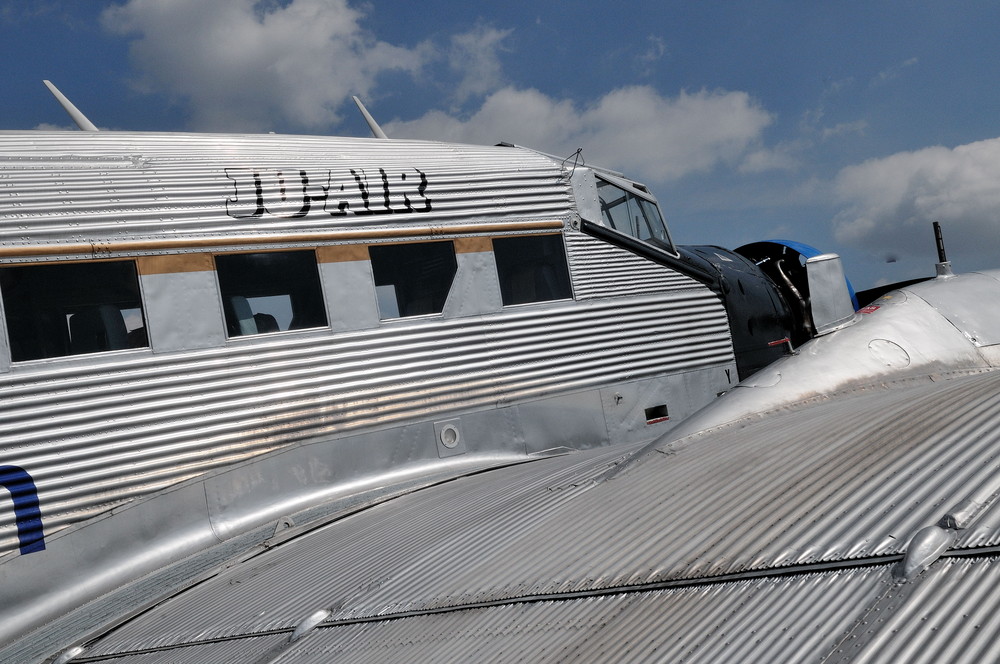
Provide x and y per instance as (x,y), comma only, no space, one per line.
(532,269)
(412,279)
(633,215)
(270,291)
(65,309)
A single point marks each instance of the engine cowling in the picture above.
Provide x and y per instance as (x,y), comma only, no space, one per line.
(761,320)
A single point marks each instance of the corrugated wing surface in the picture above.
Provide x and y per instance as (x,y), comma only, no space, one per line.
(617,628)
(613,628)
(769,540)
(953,616)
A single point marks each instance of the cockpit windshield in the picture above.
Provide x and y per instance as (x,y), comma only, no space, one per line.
(631,214)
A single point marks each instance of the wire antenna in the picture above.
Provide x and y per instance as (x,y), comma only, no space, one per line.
(577,158)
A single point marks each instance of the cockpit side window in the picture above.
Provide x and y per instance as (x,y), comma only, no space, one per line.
(412,279)
(532,269)
(270,291)
(64,309)
(631,214)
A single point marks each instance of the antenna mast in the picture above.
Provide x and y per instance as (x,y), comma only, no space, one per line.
(78,117)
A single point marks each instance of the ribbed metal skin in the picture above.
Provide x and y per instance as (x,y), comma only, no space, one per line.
(342,559)
(707,624)
(100,429)
(824,483)
(603,270)
(249,650)
(614,628)
(93,437)
(953,616)
(771,536)
(63,186)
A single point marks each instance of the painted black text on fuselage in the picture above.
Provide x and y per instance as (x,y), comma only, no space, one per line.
(294,193)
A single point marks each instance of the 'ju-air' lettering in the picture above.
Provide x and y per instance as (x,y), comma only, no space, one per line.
(294,194)
(27,514)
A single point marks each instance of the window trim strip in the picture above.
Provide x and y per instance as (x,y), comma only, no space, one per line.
(103,249)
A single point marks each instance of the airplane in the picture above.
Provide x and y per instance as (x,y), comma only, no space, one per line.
(300,399)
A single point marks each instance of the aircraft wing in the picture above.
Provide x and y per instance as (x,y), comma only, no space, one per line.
(856,522)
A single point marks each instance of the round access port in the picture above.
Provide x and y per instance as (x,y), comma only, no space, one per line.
(450,436)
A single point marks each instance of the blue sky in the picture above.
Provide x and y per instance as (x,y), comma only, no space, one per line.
(850,126)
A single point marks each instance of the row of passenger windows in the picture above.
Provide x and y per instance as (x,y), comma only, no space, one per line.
(54,310)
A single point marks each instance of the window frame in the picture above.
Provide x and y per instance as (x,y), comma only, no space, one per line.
(133,280)
(640,192)
(398,246)
(565,268)
(319,294)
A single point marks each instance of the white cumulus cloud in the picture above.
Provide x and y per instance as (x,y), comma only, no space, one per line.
(244,65)
(258,65)
(892,202)
(475,56)
(653,136)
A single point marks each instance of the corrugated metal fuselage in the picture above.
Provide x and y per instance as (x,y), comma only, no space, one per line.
(633,343)
(221,479)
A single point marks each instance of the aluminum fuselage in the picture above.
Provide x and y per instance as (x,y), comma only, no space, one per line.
(489,365)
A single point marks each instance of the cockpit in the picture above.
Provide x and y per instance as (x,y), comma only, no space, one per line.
(628,209)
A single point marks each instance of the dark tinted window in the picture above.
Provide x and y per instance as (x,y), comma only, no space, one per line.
(412,279)
(72,308)
(270,292)
(532,269)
